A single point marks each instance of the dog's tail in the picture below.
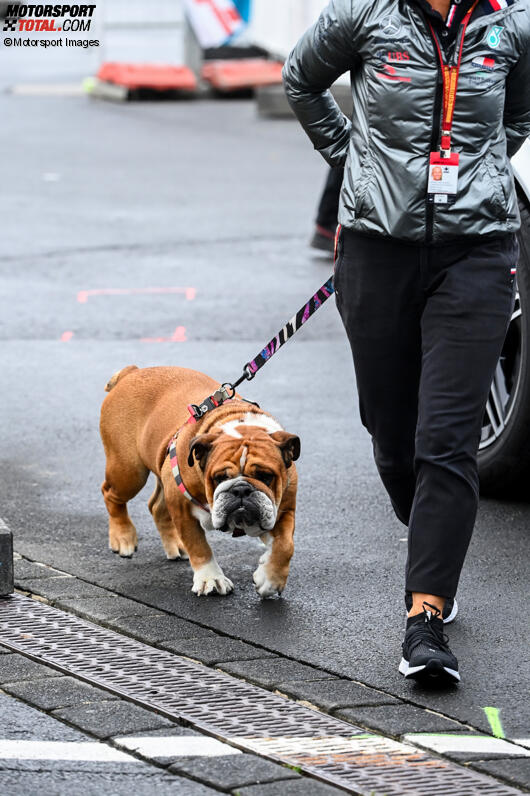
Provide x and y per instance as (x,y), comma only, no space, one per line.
(118,376)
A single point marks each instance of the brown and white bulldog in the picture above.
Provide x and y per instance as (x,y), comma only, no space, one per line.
(236,461)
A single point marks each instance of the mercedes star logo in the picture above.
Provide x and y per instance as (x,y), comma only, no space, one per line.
(390,27)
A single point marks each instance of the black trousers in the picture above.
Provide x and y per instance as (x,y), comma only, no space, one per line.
(426,327)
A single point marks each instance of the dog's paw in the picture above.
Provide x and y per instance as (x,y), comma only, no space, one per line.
(124,546)
(180,556)
(264,585)
(211,578)
(173,550)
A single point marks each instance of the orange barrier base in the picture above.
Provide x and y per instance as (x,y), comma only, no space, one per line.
(149,76)
(244,73)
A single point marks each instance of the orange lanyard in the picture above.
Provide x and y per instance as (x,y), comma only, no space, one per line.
(450,75)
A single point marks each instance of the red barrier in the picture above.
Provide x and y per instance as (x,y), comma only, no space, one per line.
(242,73)
(149,76)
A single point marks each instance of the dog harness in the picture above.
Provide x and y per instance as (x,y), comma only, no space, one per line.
(225,393)
(175,469)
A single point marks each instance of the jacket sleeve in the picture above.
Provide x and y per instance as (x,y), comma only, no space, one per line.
(324,52)
(517,101)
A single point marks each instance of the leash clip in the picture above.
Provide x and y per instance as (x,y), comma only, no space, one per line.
(224,393)
(249,374)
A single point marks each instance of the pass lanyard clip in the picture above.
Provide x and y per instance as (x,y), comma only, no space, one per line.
(450,75)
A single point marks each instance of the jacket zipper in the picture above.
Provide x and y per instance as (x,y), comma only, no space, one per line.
(434,146)
(435,133)
(437,122)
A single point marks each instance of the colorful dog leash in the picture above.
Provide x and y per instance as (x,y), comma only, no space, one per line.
(289,330)
(227,391)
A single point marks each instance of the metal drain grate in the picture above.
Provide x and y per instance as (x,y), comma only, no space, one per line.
(242,714)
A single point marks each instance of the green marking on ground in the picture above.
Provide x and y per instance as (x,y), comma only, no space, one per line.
(493,716)
(297,769)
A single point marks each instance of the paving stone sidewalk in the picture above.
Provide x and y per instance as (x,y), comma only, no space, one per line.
(346,699)
(53,703)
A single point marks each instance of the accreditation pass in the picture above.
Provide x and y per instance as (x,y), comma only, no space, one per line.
(443,178)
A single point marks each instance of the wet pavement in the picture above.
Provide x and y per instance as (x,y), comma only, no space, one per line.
(207,198)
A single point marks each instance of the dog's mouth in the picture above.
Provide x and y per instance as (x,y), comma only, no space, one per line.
(237,520)
(249,514)
(236,532)
(240,517)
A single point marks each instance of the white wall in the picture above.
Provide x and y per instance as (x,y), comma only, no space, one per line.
(137,31)
(277,25)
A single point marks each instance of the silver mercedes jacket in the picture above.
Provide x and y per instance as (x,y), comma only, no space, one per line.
(397,88)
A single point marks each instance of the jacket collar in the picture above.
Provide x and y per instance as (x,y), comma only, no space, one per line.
(457,11)
(484,8)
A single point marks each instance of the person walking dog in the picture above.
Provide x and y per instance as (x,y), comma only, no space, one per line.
(426,253)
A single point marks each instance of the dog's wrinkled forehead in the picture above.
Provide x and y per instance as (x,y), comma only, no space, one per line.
(240,427)
(248,442)
(254,435)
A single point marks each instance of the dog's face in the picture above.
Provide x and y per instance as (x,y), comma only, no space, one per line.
(245,476)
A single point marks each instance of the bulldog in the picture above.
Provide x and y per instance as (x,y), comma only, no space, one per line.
(231,471)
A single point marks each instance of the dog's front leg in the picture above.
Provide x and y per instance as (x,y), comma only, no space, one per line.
(271,575)
(208,576)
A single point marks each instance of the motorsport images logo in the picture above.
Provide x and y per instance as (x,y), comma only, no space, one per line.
(49,19)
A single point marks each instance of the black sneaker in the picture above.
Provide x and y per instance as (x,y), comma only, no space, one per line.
(448,614)
(426,654)
(323,239)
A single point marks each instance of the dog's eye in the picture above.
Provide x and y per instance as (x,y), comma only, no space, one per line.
(266,478)
(220,477)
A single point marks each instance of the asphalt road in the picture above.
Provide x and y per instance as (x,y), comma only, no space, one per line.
(207,196)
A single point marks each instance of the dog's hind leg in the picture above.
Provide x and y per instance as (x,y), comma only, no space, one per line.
(121,484)
(169,535)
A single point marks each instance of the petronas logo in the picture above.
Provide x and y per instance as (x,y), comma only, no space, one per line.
(493,36)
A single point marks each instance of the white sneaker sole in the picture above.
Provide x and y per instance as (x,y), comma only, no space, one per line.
(452,615)
(413,671)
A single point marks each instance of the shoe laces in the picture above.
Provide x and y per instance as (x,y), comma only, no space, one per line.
(427,630)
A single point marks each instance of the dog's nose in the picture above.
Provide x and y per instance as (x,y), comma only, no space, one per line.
(241,490)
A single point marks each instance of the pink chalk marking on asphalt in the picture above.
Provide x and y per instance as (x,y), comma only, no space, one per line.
(66,337)
(84,295)
(178,336)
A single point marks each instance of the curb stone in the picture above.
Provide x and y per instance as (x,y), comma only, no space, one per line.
(7,585)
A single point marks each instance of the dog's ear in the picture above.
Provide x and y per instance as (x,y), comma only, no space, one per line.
(200,447)
(289,445)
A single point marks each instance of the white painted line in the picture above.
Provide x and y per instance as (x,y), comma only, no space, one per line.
(48,89)
(292,747)
(176,746)
(62,750)
(469,744)
(522,742)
